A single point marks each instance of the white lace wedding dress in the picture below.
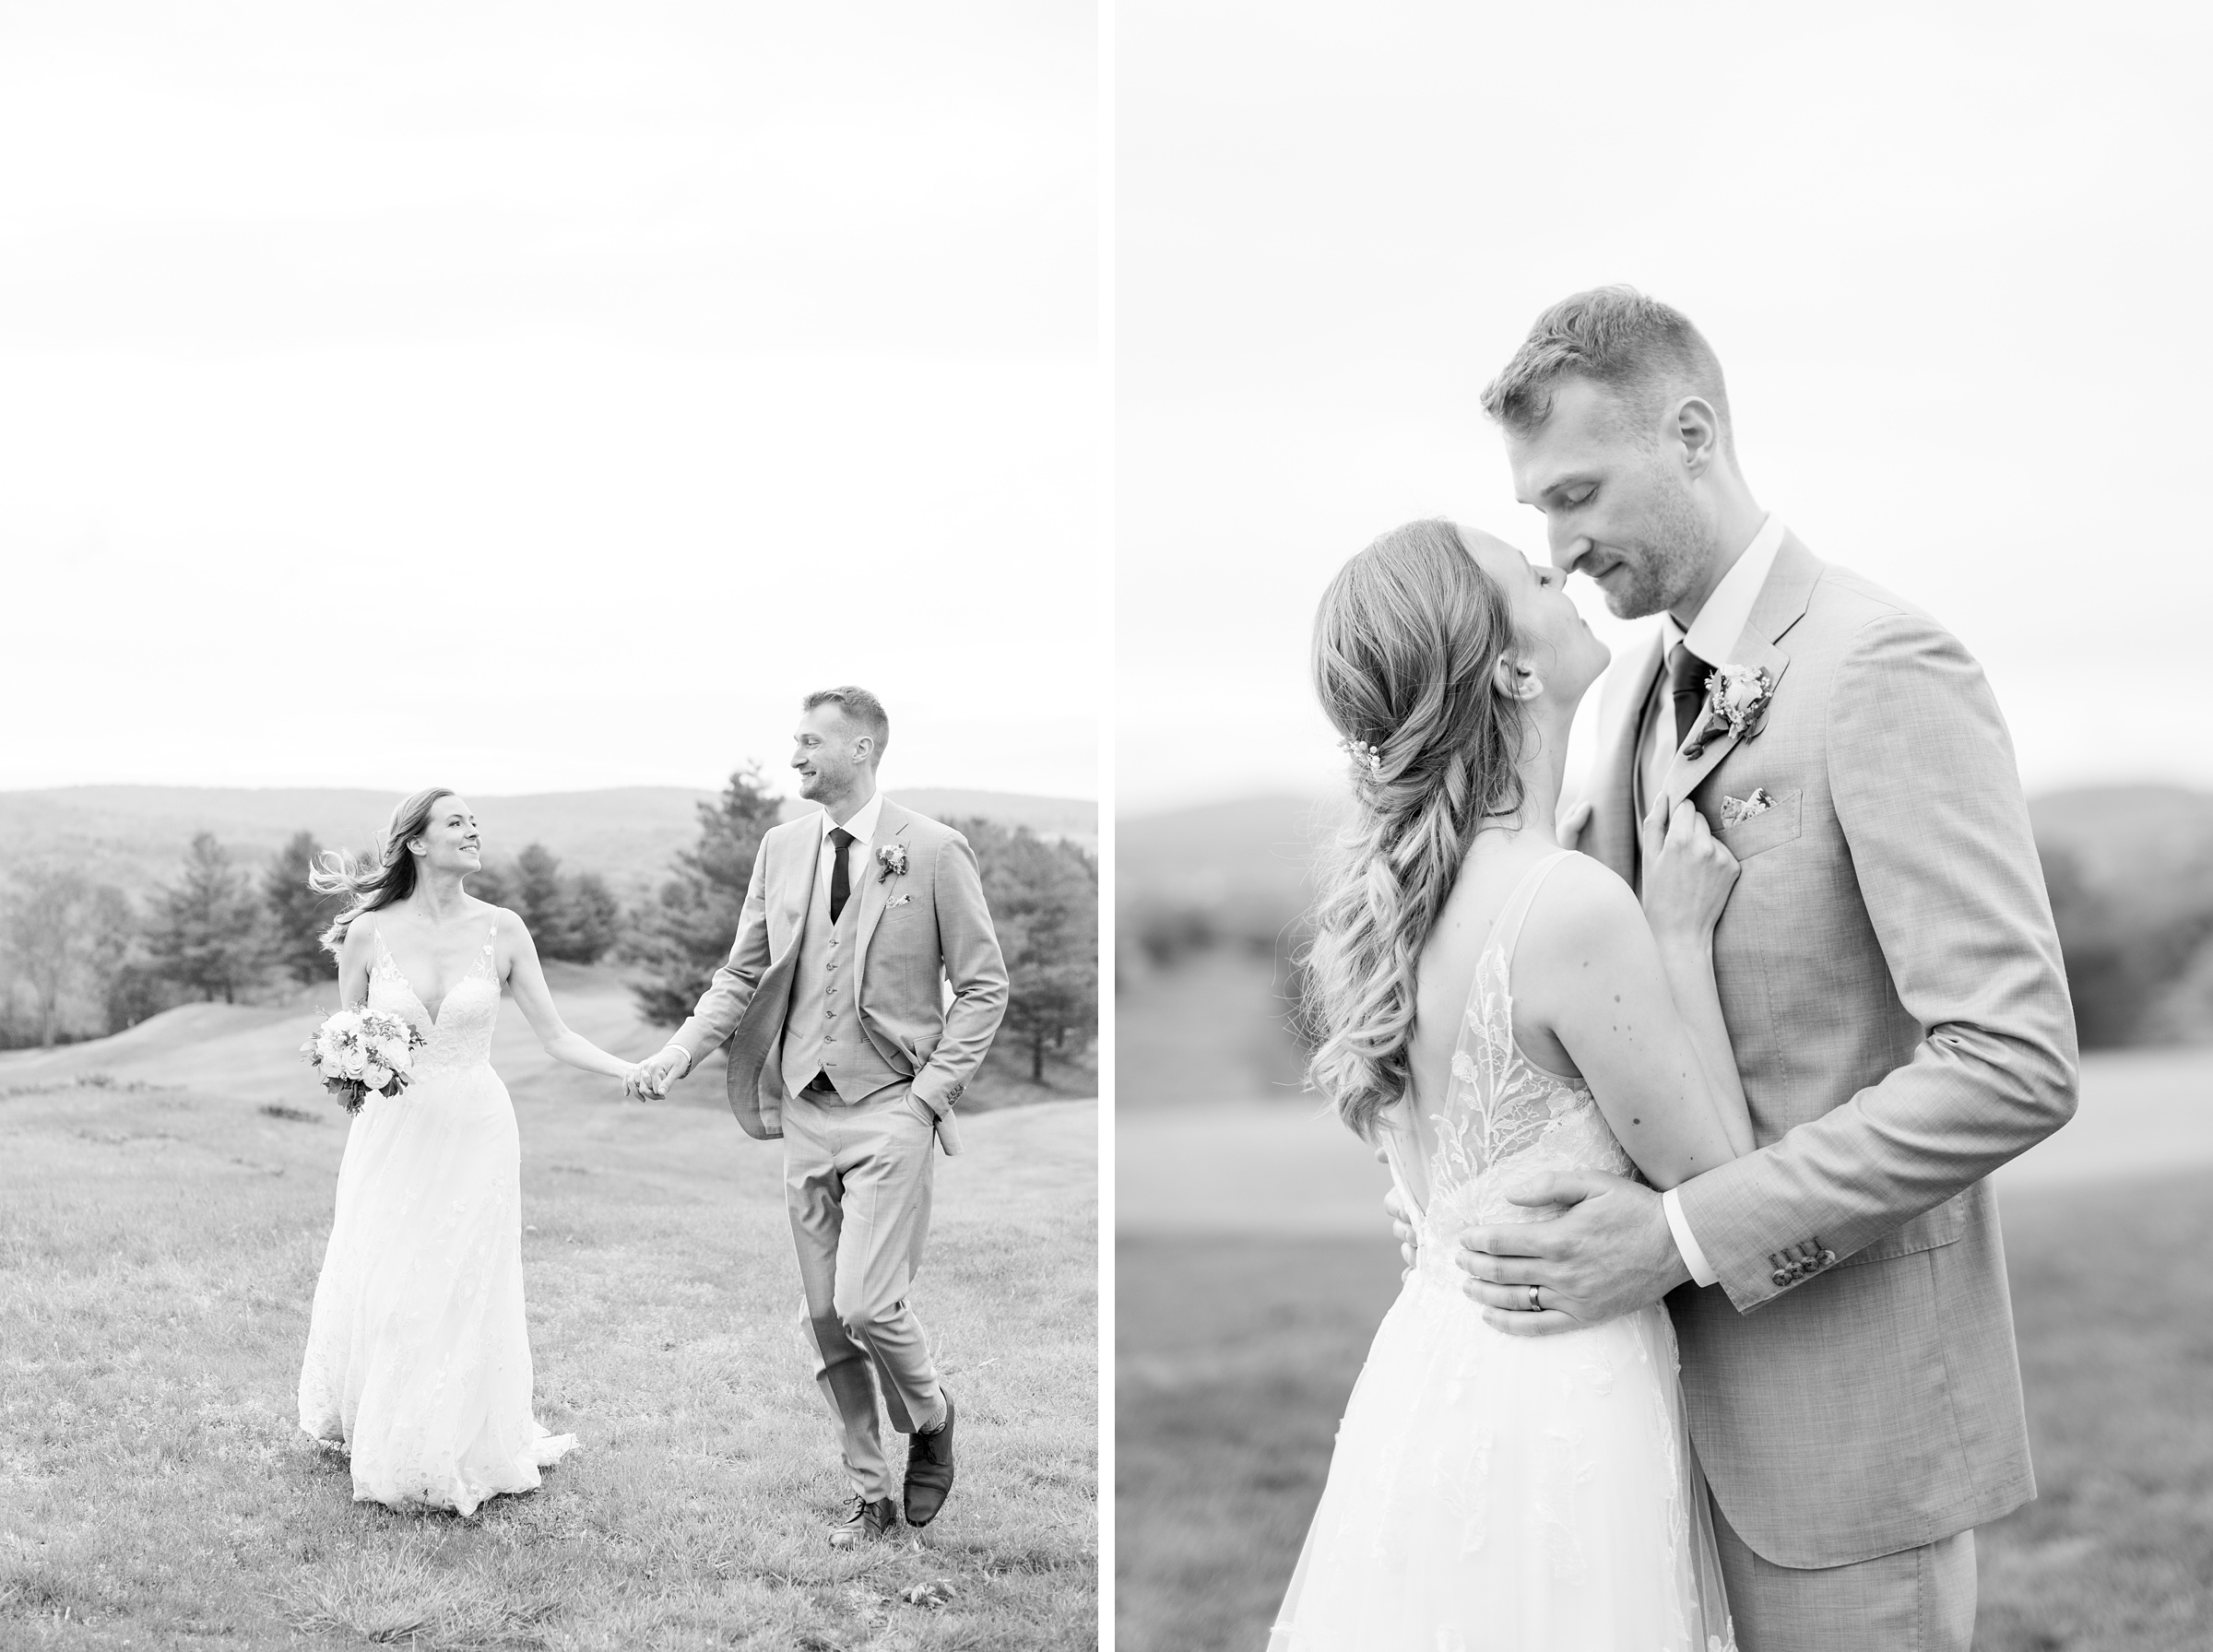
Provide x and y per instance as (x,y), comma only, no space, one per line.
(1497,1491)
(418,1361)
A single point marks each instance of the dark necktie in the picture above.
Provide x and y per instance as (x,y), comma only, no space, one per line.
(840,880)
(1687,676)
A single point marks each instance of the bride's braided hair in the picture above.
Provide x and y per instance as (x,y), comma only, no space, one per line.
(378,883)
(1405,645)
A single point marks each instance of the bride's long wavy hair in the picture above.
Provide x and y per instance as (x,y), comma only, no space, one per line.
(377,883)
(1405,646)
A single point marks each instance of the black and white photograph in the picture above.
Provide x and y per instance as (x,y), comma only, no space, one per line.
(1663,1033)
(549,826)
(1200,826)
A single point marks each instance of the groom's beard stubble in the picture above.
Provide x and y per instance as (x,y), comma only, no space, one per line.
(1677,547)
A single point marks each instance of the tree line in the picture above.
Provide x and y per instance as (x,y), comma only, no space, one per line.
(78,958)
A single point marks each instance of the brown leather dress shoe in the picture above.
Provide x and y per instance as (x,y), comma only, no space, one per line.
(928,1470)
(860,1520)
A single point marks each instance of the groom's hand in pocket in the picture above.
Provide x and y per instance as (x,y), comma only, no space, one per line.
(1608,1253)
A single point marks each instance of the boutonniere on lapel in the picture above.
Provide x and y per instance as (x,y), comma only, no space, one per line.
(1737,704)
(1735,811)
(892,857)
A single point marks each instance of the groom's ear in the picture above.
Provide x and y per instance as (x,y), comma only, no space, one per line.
(1698,427)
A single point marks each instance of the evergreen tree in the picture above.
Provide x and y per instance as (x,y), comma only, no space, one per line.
(574,918)
(683,935)
(296,914)
(491,885)
(1044,896)
(207,932)
(588,920)
(534,893)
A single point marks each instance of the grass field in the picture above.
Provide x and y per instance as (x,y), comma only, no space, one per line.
(1235,1355)
(159,1248)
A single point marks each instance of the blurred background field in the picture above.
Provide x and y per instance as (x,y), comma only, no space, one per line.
(1253,1264)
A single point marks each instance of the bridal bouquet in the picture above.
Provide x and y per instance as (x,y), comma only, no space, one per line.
(362,1050)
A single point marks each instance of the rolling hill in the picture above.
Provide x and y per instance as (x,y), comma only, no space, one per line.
(134,836)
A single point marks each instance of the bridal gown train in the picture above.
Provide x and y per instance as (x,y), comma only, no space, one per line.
(1490,1491)
(417,1360)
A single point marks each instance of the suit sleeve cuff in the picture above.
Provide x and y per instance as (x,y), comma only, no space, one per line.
(1694,1257)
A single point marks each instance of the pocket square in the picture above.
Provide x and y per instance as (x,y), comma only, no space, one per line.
(1735,811)
(897,901)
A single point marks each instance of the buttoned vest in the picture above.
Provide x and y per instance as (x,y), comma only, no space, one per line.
(822,1030)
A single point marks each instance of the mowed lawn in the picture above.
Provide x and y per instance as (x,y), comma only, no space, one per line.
(159,1248)
(1235,1356)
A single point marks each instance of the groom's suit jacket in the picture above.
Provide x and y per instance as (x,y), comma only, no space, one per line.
(1893,990)
(918,929)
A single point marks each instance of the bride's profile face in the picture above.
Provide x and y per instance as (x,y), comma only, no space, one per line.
(1567,655)
(450,842)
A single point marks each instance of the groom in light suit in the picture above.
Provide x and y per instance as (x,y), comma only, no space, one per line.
(1892,986)
(842,1043)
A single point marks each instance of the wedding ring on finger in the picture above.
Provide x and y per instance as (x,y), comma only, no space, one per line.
(1535,1305)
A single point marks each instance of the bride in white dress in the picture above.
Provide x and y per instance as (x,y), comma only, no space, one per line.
(1492,1005)
(417,1360)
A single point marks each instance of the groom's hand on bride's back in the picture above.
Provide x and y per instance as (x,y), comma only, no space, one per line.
(1401,1218)
(1608,1253)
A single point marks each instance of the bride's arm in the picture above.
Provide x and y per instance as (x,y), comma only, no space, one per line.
(354,955)
(1593,975)
(536,1001)
(1690,870)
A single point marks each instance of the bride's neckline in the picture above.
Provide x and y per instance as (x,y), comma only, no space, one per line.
(385,946)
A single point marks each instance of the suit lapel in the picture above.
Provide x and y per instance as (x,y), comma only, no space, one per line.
(799,882)
(1612,836)
(891,827)
(756,1102)
(1781,603)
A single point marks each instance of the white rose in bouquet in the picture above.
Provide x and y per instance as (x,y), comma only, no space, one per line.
(360,1052)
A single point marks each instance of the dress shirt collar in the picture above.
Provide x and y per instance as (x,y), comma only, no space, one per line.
(863,823)
(1714,634)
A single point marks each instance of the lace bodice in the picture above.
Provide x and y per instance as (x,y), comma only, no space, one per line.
(460,1033)
(1503,1115)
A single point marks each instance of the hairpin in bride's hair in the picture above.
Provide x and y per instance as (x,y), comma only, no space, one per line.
(1366,757)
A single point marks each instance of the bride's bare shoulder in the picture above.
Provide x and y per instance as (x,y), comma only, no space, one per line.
(510,922)
(1583,910)
(359,946)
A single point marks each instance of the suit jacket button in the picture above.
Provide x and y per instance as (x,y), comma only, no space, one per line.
(1779,1276)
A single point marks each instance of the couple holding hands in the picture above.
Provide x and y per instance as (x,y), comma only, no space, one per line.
(842,1040)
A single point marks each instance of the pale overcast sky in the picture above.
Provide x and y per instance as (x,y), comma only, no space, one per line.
(1952,259)
(536,396)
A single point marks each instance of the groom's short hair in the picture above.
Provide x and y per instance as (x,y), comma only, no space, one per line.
(1638,347)
(859,706)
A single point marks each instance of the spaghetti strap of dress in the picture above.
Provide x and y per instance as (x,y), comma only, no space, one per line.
(1509,933)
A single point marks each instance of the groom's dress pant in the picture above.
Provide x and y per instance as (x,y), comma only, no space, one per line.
(1916,1600)
(856,1182)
